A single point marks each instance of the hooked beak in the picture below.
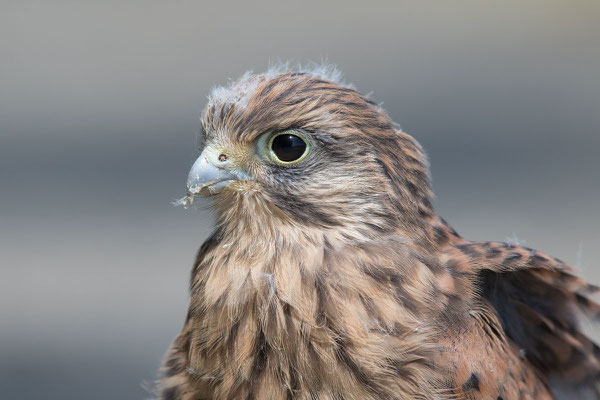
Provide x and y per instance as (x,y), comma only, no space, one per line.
(205,174)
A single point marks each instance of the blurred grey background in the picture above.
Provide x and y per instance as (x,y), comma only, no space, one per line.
(99,108)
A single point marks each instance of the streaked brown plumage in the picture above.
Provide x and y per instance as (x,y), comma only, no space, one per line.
(334,278)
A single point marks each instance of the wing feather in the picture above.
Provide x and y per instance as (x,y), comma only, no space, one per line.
(539,301)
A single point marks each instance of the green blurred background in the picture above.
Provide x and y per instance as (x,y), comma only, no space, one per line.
(99,109)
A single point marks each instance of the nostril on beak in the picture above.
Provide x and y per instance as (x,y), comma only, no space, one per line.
(222,157)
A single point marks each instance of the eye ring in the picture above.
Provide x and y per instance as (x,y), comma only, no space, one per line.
(288,146)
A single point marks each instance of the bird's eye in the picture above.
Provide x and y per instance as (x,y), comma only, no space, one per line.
(287,147)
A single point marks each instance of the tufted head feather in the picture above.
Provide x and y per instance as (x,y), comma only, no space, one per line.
(361,174)
(239,91)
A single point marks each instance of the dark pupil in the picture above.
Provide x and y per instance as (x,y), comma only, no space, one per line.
(288,147)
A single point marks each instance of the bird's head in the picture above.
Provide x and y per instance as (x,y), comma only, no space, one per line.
(302,148)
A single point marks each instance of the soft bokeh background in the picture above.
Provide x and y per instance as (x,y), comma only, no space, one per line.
(99,107)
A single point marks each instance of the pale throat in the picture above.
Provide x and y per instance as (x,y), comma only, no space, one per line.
(261,254)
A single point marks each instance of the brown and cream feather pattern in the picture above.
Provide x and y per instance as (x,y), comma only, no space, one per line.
(334,278)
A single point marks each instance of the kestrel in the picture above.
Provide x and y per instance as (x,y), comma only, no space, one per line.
(329,274)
